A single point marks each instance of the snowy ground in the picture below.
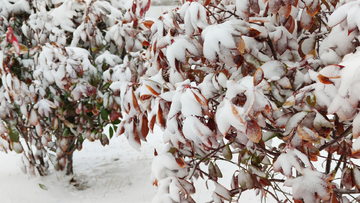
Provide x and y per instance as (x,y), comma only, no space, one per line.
(115,173)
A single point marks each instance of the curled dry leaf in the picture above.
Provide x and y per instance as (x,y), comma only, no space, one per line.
(253,131)
(258,76)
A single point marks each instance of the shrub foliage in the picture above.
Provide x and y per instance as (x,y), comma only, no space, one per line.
(266,87)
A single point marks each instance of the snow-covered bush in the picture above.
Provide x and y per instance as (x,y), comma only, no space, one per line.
(56,62)
(266,86)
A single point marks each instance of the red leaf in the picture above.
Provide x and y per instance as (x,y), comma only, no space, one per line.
(114,115)
(10,38)
(145,43)
(16,45)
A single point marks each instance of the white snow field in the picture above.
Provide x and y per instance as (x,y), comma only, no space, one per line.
(115,173)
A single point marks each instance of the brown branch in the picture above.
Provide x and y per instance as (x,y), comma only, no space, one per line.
(212,14)
(328,164)
(226,11)
(271,47)
(205,157)
(276,154)
(345,133)
(345,191)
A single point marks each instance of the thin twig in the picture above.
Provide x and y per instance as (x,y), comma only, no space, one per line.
(205,157)
(271,47)
(345,133)
(345,191)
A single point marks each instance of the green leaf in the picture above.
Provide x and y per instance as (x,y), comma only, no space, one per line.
(218,171)
(212,171)
(106,86)
(115,122)
(227,153)
(104,114)
(311,100)
(111,132)
(80,138)
(172,150)
(65,132)
(255,160)
(14,135)
(43,186)
(272,136)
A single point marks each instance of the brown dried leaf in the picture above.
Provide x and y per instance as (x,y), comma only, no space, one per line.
(347,178)
(33,119)
(258,76)
(145,97)
(274,6)
(207,2)
(236,113)
(313,9)
(306,20)
(145,43)
(311,54)
(148,23)
(136,133)
(144,126)
(202,102)
(307,134)
(254,6)
(253,131)
(241,45)
(134,100)
(285,10)
(253,32)
(180,162)
(290,24)
(161,118)
(152,123)
(152,90)
(324,80)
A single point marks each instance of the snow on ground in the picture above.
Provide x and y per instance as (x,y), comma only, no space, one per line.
(115,173)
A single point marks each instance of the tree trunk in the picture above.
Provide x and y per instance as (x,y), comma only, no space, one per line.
(69,162)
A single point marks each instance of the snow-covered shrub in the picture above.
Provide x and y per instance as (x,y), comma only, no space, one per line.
(56,59)
(250,83)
